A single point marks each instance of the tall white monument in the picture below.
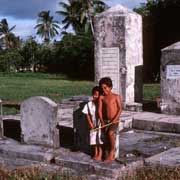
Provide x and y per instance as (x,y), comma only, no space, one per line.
(118,52)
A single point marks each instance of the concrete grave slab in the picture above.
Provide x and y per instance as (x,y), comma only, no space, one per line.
(167,158)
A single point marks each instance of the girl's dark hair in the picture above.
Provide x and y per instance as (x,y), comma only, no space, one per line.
(107,81)
(94,89)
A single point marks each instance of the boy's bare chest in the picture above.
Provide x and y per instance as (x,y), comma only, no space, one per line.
(109,100)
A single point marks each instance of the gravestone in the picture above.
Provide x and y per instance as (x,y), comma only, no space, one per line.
(170,79)
(39,121)
(118,52)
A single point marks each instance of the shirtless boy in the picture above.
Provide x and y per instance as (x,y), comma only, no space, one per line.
(109,111)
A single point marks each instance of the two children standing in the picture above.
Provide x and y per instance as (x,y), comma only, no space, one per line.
(102,114)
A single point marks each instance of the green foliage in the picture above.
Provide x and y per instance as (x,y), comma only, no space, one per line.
(160,29)
(47,27)
(29,53)
(7,39)
(10,61)
(75,55)
(79,14)
(155,7)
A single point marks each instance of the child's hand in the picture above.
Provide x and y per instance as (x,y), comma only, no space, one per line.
(115,121)
(91,126)
(102,124)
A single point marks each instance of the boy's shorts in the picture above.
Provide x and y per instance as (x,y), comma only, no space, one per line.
(112,127)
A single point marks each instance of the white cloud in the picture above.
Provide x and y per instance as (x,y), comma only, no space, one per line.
(128,3)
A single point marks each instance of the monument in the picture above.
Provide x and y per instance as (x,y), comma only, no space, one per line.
(39,121)
(170,79)
(118,52)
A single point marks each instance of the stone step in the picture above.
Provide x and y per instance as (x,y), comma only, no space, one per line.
(14,150)
(156,122)
(86,166)
(14,163)
(169,158)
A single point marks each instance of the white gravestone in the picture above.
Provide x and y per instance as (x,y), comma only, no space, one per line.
(118,52)
(170,79)
(39,121)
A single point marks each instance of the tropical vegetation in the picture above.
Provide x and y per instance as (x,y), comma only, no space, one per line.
(73,53)
(79,14)
(47,28)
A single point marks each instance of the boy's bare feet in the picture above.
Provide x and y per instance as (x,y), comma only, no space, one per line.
(110,157)
(97,158)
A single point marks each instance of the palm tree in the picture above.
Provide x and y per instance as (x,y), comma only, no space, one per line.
(47,28)
(80,13)
(71,13)
(7,38)
(89,9)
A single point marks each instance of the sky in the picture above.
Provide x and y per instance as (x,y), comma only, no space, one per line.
(24,13)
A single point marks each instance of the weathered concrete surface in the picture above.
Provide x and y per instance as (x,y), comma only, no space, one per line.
(66,109)
(14,163)
(167,158)
(14,154)
(156,122)
(135,144)
(39,121)
(86,166)
(118,51)
(134,147)
(13,149)
(170,82)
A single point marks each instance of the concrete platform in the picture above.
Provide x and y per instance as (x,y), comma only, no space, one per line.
(14,155)
(168,158)
(136,147)
(148,121)
(156,122)
(14,150)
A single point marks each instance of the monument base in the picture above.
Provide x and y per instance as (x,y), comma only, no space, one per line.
(133,107)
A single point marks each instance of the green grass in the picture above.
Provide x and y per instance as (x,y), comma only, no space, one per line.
(151,91)
(20,86)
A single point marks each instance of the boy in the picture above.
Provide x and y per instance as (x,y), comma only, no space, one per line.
(109,111)
(90,109)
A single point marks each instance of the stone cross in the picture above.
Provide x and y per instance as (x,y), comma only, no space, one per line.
(170,79)
(118,52)
(39,121)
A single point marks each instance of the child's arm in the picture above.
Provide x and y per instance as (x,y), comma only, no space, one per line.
(119,109)
(89,121)
(86,111)
(100,110)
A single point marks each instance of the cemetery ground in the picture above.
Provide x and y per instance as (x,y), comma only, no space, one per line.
(135,144)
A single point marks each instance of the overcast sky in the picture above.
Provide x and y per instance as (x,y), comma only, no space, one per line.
(23,13)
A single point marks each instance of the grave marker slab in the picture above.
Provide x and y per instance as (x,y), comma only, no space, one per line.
(170,79)
(39,121)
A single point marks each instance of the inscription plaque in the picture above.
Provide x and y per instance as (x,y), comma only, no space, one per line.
(173,72)
(110,66)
